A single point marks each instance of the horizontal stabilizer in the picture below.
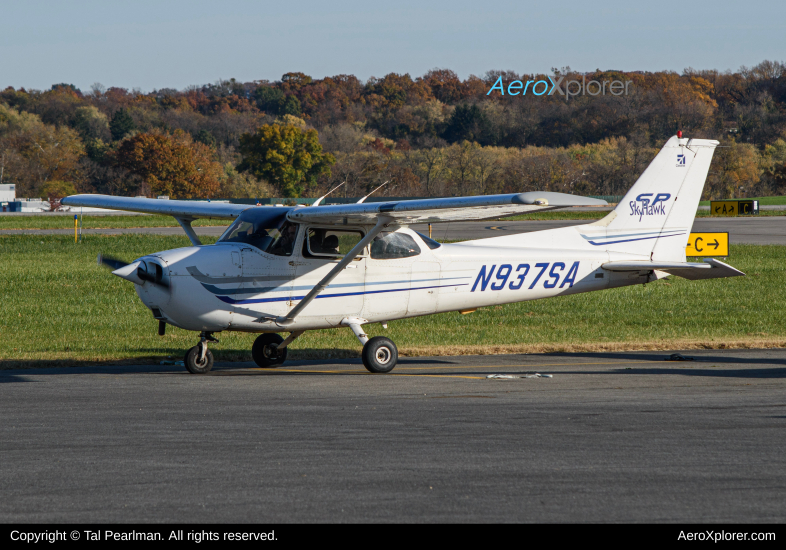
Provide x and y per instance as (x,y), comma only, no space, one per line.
(710,269)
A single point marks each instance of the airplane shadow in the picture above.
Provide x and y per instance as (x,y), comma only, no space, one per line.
(15,370)
(18,371)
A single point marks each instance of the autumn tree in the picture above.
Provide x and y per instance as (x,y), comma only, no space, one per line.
(54,191)
(286,156)
(172,165)
(734,167)
(34,153)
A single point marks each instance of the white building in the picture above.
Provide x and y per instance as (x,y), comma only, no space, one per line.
(7,192)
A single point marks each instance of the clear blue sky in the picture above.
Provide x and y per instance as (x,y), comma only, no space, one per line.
(176,43)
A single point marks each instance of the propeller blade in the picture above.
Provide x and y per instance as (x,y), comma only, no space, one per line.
(110,262)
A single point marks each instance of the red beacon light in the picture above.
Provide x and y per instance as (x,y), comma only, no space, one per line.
(679,134)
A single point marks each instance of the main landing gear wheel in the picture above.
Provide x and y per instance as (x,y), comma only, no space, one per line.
(194,361)
(265,352)
(380,354)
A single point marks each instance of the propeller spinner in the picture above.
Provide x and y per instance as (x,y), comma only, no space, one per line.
(136,272)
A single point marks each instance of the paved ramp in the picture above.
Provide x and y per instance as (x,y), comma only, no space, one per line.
(611,437)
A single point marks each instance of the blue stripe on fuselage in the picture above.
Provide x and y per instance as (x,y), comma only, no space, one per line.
(262,290)
(229,300)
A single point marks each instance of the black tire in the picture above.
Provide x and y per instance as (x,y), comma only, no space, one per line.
(265,355)
(380,355)
(192,361)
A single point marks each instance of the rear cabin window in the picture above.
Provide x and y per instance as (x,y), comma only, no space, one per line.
(392,246)
(330,243)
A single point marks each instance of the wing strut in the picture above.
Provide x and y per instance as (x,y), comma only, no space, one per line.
(185,223)
(289,318)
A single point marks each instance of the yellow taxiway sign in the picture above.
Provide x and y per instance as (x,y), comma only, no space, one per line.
(708,244)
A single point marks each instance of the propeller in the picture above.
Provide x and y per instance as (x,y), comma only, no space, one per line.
(136,272)
(110,262)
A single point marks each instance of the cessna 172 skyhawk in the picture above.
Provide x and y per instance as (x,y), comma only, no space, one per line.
(296,269)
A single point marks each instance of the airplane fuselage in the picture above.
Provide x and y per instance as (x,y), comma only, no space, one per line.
(236,286)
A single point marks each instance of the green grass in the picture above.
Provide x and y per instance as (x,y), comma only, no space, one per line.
(60,308)
(96,222)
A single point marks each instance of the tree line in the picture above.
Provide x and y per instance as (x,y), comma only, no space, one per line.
(433,135)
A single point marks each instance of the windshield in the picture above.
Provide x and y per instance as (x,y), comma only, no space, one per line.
(431,243)
(268,231)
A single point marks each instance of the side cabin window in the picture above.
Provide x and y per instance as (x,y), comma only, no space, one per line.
(393,246)
(330,243)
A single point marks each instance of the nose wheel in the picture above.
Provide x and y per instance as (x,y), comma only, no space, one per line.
(199,359)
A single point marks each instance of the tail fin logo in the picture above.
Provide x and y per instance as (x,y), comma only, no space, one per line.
(680,160)
(643,207)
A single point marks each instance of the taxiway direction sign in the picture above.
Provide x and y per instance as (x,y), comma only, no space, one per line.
(708,244)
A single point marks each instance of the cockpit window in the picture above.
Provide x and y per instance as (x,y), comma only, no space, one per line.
(268,231)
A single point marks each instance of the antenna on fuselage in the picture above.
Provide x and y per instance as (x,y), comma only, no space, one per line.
(367,196)
(319,200)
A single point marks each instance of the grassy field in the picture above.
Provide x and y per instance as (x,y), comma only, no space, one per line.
(95,222)
(60,308)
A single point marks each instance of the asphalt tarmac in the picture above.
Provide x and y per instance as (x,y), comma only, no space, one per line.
(610,437)
(763,230)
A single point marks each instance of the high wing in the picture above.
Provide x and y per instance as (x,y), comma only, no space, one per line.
(183,211)
(710,269)
(440,210)
(401,212)
(178,209)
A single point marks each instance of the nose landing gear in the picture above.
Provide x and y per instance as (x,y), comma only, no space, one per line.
(199,359)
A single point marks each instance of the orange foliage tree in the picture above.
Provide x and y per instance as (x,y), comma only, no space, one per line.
(172,165)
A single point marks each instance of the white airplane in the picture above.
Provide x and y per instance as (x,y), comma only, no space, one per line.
(296,269)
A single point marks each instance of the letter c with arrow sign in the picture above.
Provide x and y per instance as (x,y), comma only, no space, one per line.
(708,244)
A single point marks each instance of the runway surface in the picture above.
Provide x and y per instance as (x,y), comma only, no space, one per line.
(764,230)
(611,437)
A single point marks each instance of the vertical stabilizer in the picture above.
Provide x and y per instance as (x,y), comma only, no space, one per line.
(655,217)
